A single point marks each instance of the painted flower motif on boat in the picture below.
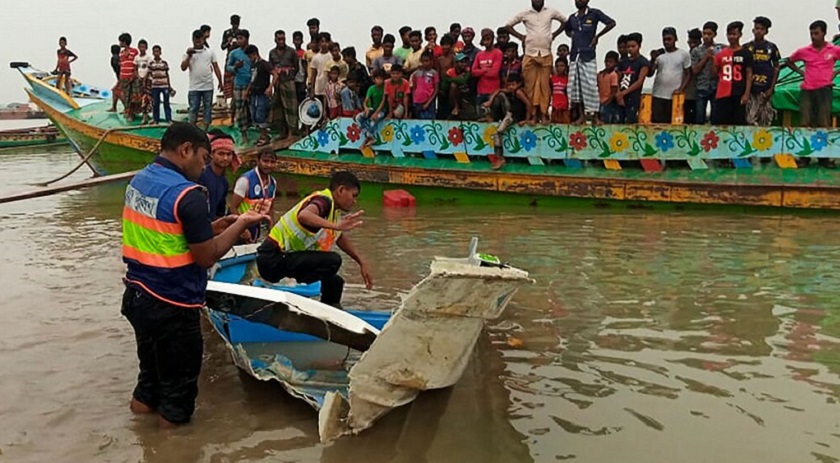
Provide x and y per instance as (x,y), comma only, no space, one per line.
(418,136)
(528,140)
(819,141)
(323,138)
(354,133)
(664,141)
(388,134)
(619,142)
(489,133)
(709,141)
(577,141)
(762,140)
(456,136)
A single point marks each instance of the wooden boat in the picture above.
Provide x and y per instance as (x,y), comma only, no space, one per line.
(36,136)
(446,161)
(355,366)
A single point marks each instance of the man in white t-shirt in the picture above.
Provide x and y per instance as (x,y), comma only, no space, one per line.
(672,68)
(318,73)
(201,62)
(141,72)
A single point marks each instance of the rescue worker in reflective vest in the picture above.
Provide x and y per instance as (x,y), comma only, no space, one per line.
(169,242)
(300,243)
(255,190)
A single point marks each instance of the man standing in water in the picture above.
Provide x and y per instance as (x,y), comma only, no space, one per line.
(169,243)
(537,65)
(300,243)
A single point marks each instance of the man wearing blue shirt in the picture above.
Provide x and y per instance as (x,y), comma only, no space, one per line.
(582,27)
(239,64)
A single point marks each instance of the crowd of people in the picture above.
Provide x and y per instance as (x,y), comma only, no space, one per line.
(423,75)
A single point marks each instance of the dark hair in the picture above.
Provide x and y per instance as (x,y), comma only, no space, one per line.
(563,45)
(115,49)
(396,68)
(345,179)
(672,31)
(447,40)
(197,34)
(429,29)
(389,39)
(415,34)
(377,28)
(635,37)
(515,77)
(763,21)
(378,73)
(156,47)
(405,30)
(819,24)
(427,54)
(711,25)
(205,28)
(735,25)
(182,132)
(251,49)
(510,46)
(334,46)
(297,34)
(62,39)
(613,55)
(216,134)
(325,36)
(142,42)
(454,26)
(125,38)
(695,34)
(561,60)
(234,18)
(502,30)
(335,69)
(313,22)
(621,39)
(349,51)
(266,151)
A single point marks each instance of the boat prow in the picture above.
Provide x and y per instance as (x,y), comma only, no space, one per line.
(43,85)
(425,345)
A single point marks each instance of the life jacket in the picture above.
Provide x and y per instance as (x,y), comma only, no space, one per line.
(154,246)
(256,198)
(291,236)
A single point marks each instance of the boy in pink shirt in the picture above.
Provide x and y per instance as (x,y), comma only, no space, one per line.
(816,94)
(425,83)
(486,68)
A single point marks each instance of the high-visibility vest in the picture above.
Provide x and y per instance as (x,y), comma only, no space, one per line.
(154,246)
(291,236)
(258,197)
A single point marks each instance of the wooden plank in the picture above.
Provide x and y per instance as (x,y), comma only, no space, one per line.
(367,152)
(535,161)
(41,192)
(678,109)
(573,163)
(785,161)
(429,154)
(741,163)
(651,165)
(612,164)
(461,157)
(646,109)
(697,164)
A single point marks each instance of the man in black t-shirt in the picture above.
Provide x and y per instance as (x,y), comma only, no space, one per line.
(766,59)
(632,71)
(259,92)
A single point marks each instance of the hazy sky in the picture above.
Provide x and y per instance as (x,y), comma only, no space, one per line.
(31,28)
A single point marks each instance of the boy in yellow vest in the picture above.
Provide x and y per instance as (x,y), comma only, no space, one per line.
(300,243)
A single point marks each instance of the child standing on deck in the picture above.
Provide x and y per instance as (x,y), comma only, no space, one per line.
(62,66)
(425,82)
(559,98)
(333,93)
(161,87)
(141,75)
(396,92)
(632,71)
(607,88)
(734,67)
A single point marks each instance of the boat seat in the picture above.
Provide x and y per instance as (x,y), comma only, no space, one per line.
(301,289)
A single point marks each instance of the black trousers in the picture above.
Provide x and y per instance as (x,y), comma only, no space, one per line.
(661,111)
(169,347)
(690,112)
(729,111)
(305,267)
(815,107)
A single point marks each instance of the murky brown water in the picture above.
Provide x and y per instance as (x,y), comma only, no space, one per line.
(649,337)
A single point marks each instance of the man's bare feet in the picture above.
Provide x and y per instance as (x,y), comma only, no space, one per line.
(597,121)
(580,121)
(455,112)
(140,408)
(163,423)
(112,110)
